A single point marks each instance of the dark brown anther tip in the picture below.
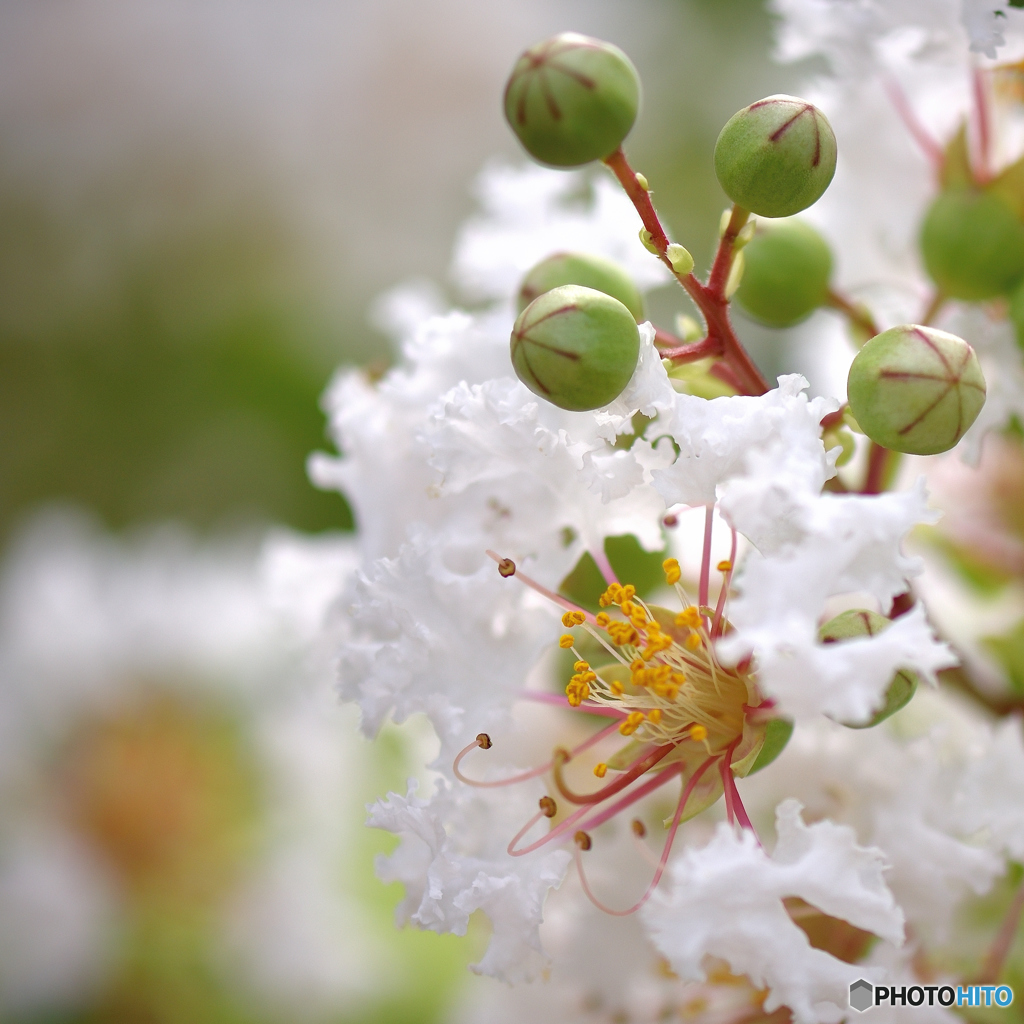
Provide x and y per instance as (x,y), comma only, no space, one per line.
(639,829)
(548,807)
(582,840)
(483,741)
(506,568)
(671,520)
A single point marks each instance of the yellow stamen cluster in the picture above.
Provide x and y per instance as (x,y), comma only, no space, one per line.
(672,571)
(689,617)
(660,679)
(616,594)
(633,722)
(668,681)
(578,689)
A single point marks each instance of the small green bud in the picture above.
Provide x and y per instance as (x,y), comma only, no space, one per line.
(837,437)
(972,244)
(576,347)
(648,242)
(687,328)
(581,268)
(572,99)
(776,157)
(915,389)
(857,623)
(736,270)
(680,258)
(787,275)
(642,182)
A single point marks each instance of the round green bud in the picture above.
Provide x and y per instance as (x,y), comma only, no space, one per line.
(576,347)
(788,265)
(973,245)
(857,623)
(581,268)
(572,99)
(776,157)
(915,389)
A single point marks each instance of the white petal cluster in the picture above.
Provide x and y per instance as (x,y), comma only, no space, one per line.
(726,900)
(448,877)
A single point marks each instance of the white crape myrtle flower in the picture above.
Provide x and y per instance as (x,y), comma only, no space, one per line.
(144,648)
(726,900)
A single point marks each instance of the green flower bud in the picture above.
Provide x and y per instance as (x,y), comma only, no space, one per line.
(572,99)
(857,623)
(581,268)
(973,245)
(576,347)
(787,273)
(776,157)
(916,389)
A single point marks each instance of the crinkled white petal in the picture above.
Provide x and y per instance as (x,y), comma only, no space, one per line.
(529,214)
(547,470)
(726,901)
(452,861)
(850,544)
(990,796)
(437,630)
(716,438)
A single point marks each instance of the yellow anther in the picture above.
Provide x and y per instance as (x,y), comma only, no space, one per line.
(672,570)
(616,687)
(573,619)
(693,641)
(678,678)
(698,733)
(654,715)
(639,829)
(689,617)
(566,640)
(623,633)
(602,619)
(577,692)
(725,565)
(600,769)
(581,666)
(627,593)
(633,722)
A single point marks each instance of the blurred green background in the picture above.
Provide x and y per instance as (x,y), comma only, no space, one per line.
(198,205)
(196,214)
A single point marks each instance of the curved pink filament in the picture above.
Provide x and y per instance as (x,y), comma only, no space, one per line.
(567,824)
(716,625)
(639,767)
(523,776)
(667,849)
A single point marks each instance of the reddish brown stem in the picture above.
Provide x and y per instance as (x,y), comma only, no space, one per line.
(857,316)
(1003,941)
(693,351)
(878,464)
(713,305)
(931,311)
(723,256)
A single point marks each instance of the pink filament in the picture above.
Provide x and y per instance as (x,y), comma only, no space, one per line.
(716,626)
(705,562)
(601,559)
(523,776)
(931,149)
(666,850)
(562,602)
